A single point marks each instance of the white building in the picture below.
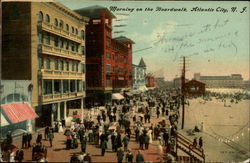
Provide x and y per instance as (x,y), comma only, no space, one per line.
(139,75)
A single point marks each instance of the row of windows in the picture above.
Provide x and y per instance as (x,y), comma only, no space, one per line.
(60,24)
(60,42)
(60,65)
(62,86)
(124,60)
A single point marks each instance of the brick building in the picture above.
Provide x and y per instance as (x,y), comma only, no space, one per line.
(45,43)
(194,87)
(150,81)
(108,60)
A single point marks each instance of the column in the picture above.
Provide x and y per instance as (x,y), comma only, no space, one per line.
(58,111)
(65,109)
(82,106)
(52,86)
(52,114)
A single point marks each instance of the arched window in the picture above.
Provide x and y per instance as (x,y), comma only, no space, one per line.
(76,32)
(73,29)
(47,18)
(56,22)
(67,27)
(40,16)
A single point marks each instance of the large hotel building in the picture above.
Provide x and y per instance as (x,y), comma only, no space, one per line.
(108,59)
(45,44)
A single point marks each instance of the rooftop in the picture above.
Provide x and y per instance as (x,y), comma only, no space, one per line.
(218,78)
(95,12)
(124,39)
(142,63)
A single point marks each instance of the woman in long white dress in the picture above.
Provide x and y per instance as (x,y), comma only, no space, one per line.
(149,133)
(12,156)
(159,147)
(60,130)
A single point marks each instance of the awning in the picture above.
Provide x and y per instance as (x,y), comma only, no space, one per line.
(129,94)
(4,122)
(143,88)
(117,96)
(18,112)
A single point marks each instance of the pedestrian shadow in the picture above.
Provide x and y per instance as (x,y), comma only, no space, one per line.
(59,149)
(98,155)
(152,153)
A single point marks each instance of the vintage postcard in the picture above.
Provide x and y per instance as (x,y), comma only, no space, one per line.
(124,81)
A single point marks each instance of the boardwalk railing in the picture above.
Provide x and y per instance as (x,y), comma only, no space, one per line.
(186,145)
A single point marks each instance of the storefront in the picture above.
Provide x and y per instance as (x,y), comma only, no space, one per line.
(16,116)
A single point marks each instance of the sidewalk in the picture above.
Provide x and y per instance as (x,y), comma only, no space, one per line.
(58,153)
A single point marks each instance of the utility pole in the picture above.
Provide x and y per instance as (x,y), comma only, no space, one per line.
(183,91)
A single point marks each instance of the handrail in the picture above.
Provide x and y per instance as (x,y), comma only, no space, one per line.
(184,137)
(183,142)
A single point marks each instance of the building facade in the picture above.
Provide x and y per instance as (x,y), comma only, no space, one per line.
(15,93)
(108,59)
(232,81)
(139,75)
(194,88)
(150,79)
(45,43)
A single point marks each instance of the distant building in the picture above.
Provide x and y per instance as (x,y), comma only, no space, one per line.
(194,87)
(150,79)
(108,60)
(177,82)
(139,75)
(233,81)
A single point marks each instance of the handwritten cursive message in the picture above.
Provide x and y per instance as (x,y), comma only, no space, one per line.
(208,39)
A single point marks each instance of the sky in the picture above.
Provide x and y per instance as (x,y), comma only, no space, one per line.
(214,42)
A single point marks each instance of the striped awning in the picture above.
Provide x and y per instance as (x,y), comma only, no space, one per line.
(4,122)
(18,112)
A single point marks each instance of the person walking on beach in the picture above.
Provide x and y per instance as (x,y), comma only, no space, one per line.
(195,142)
(200,142)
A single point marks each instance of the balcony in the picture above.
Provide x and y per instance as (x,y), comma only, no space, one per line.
(56,74)
(48,49)
(58,31)
(62,96)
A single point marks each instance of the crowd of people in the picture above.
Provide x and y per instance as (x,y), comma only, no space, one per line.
(116,125)
(125,121)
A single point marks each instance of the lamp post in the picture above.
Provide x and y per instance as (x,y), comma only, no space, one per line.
(29,125)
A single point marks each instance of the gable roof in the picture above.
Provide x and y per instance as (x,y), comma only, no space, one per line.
(194,82)
(142,63)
